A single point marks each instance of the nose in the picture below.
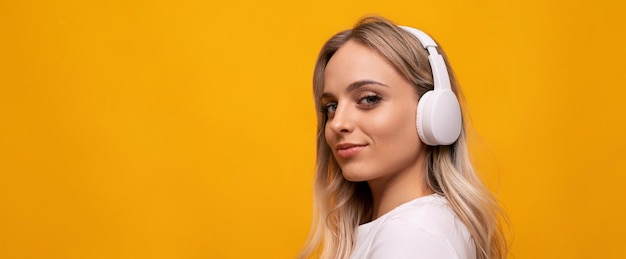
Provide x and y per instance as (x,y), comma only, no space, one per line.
(341,122)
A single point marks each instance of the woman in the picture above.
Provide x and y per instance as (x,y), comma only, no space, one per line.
(393,175)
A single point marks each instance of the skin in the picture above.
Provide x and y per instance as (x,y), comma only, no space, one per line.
(371,105)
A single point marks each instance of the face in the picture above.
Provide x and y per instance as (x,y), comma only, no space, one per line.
(371,112)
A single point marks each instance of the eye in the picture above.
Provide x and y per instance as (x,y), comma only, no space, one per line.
(370,99)
(329,108)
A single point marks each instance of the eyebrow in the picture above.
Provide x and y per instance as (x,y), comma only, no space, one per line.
(355,85)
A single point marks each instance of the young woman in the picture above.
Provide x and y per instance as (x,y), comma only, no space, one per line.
(393,173)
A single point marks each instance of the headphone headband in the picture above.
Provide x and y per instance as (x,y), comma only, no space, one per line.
(437,64)
(426,40)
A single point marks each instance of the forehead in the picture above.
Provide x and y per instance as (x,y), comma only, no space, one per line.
(354,62)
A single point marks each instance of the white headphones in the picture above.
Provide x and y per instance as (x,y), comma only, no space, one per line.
(438,111)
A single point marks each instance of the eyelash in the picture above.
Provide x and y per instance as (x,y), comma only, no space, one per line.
(368,100)
(368,97)
(325,107)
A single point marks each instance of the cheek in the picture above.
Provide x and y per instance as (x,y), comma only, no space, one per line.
(394,124)
(396,142)
(327,135)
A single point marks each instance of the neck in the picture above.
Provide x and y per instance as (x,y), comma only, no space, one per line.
(391,191)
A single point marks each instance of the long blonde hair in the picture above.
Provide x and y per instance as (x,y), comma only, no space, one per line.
(340,205)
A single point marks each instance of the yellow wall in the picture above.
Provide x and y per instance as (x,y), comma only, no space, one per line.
(185,129)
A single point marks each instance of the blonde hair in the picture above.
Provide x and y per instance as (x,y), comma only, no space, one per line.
(340,205)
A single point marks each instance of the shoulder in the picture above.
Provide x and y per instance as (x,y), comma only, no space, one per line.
(423,228)
(431,213)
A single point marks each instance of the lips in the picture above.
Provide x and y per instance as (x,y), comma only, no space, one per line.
(346,150)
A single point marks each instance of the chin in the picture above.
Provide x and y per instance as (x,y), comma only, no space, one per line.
(356,171)
(353,176)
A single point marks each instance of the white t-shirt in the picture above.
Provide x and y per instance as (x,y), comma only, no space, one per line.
(422,228)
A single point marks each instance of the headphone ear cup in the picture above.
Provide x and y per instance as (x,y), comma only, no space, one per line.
(422,120)
(439,119)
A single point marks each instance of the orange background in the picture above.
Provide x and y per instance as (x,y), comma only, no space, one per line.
(185,129)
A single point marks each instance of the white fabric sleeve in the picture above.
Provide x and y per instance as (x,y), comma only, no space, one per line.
(400,239)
